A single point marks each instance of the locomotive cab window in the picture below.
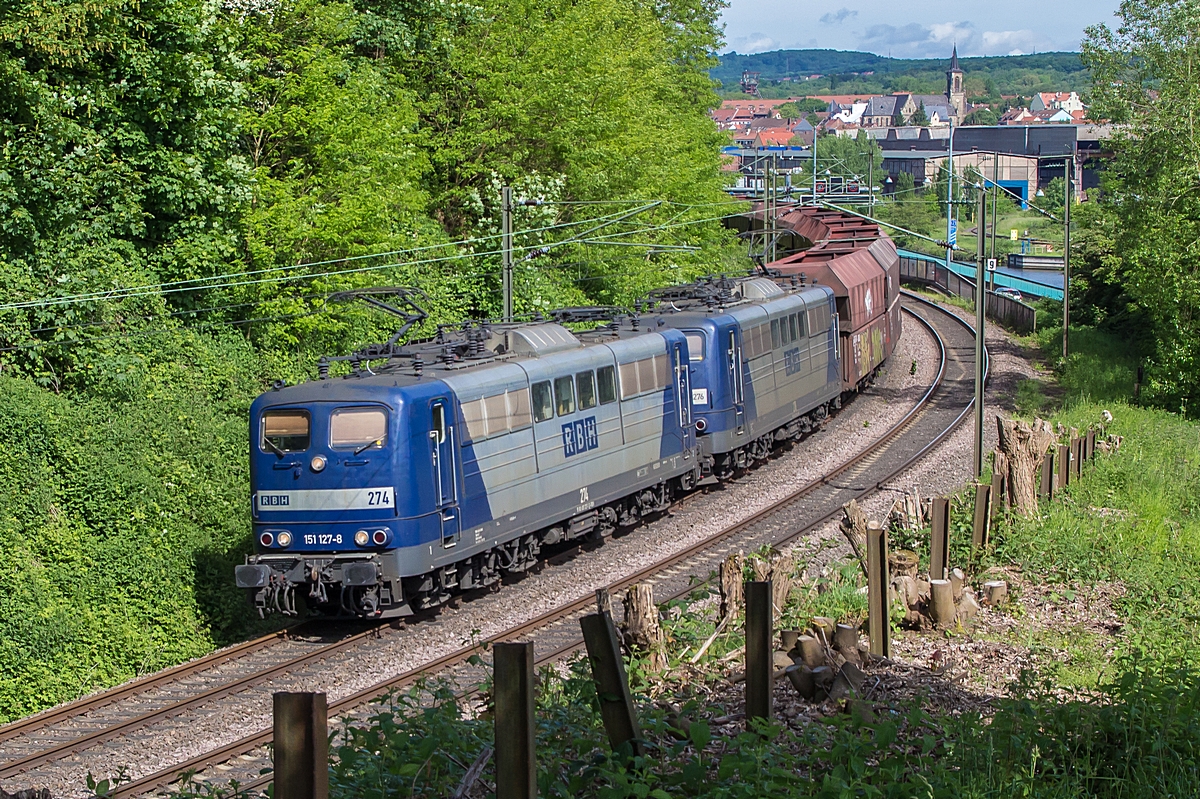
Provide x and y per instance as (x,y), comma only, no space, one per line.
(285,431)
(586,383)
(543,404)
(439,423)
(606,380)
(564,394)
(356,427)
(695,342)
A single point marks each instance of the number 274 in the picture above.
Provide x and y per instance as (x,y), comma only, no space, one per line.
(378,498)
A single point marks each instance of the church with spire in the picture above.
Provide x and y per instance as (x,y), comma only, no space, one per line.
(922,109)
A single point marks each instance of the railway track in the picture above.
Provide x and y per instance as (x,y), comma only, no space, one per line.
(49,741)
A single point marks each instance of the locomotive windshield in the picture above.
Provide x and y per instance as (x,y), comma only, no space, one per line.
(284,431)
(695,346)
(356,427)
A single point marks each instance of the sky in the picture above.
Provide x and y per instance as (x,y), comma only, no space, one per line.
(913,28)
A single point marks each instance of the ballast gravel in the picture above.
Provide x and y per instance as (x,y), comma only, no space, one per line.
(907,376)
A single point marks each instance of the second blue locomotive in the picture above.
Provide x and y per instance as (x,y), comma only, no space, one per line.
(439,466)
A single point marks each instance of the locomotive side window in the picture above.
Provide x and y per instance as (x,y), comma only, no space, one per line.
(439,422)
(586,383)
(518,409)
(497,414)
(285,431)
(606,379)
(695,347)
(819,319)
(792,328)
(354,427)
(774,334)
(564,393)
(543,405)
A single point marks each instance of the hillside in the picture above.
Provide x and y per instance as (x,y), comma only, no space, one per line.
(783,73)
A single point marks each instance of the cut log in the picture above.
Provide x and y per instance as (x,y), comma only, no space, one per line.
(812,651)
(845,643)
(995,592)
(801,678)
(941,605)
(854,528)
(825,625)
(967,606)
(788,639)
(641,630)
(732,577)
(957,580)
(1023,446)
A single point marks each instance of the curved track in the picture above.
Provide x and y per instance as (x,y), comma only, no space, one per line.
(40,743)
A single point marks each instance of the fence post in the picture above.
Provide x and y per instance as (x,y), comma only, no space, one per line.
(1063,464)
(1076,458)
(612,684)
(516,768)
(1091,445)
(1046,490)
(939,550)
(301,758)
(878,625)
(983,495)
(760,659)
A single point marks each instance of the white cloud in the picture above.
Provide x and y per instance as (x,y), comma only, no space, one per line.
(754,43)
(837,17)
(1014,42)
(935,41)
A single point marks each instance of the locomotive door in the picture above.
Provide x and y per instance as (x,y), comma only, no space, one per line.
(683,390)
(445,477)
(736,385)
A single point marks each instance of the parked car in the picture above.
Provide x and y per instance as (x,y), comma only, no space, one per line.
(1011,293)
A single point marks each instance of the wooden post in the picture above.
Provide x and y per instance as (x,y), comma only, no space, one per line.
(603,601)
(1076,457)
(1064,466)
(878,625)
(939,549)
(760,659)
(1091,445)
(516,768)
(612,684)
(1046,490)
(979,537)
(301,746)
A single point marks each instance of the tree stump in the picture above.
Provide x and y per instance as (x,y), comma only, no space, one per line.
(782,567)
(641,631)
(854,527)
(995,592)
(731,577)
(812,652)
(941,605)
(903,563)
(1024,447)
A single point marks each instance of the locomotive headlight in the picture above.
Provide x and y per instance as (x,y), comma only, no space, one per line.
(284,539)
(362,538)
(317,463)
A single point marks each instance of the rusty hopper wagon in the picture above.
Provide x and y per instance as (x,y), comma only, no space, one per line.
(859,262)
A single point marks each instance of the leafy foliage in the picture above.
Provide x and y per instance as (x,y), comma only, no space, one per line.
(183,185)
(1145,80)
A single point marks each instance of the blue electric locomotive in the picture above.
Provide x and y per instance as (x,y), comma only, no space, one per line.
(436,467)
(764,362)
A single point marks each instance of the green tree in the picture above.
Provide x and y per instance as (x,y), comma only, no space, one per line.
(1145,82)
(919,117)
(850,157)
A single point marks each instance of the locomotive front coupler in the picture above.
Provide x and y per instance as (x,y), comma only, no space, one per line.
(274,578)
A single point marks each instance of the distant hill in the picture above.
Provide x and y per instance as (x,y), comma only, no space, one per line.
(783,73)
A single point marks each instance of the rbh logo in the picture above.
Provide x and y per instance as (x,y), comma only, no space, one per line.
(580,436)
(267,500)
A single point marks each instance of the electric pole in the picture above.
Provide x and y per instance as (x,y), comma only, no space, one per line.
(506,249)
(980,308)
(950,232)
(995,193)
(1068,168)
